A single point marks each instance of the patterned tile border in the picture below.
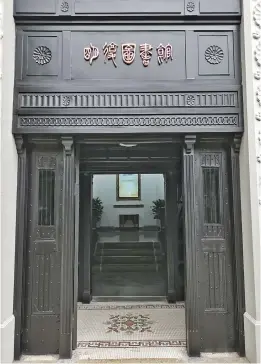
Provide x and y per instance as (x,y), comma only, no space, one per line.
(131,344)
(130,307)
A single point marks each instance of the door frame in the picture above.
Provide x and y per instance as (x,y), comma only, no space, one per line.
(170,168)
(188,142)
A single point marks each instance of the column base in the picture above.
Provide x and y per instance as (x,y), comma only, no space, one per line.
(252,338)
(65,351)
(7,340)
(86,297)
(172,297)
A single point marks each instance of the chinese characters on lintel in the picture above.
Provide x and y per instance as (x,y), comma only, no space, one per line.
(128,53)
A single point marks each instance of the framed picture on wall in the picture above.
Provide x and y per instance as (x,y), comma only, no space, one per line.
(128,187)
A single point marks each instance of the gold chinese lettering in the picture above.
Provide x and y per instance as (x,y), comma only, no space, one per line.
(91,53)
(128,51)
(164,53)
(110,52)
(146,53)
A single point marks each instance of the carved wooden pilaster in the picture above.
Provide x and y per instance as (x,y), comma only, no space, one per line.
(239,298)
(171,234)
(67,250)
(21,219)
(192,300)
(87,238)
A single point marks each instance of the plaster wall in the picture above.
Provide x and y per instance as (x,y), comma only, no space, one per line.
(152,188)
(250,159)
(8,179)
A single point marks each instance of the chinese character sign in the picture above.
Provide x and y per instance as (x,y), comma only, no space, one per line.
(128,53)
(91,53)
(145,53)
(110,52)
(164,53)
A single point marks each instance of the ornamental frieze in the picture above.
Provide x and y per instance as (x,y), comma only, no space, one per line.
(129,100)
(130,121)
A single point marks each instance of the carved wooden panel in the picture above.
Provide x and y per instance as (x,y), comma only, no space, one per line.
(162,54)
(215,281)
(219,7)
(44,265)
(35,7)
(214,229)
(101,68)
(117,6)
(42,55)
(216,52)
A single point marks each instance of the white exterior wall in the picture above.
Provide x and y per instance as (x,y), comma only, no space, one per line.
(8,179)
(152,188)
(250,159)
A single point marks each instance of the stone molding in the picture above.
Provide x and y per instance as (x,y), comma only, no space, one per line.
(132,121)
(256,8)
(129,100)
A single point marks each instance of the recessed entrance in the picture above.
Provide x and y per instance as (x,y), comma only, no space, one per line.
(126,249)
(131,248)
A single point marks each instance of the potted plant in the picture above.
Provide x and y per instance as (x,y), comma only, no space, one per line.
(97,210)
(158,210)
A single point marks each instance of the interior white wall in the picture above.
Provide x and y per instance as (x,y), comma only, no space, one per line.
(152,188)
(8,179)
(250,177)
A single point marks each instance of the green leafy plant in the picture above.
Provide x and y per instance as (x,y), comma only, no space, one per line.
(97,210)
(157,208)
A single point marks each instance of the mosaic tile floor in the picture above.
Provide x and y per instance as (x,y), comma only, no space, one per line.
(122,333)
(131,325)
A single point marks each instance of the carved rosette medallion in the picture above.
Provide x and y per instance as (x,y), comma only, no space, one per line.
(42,55)
(190,100)
(214,54)
(64,6)
(66,100)
(191,6)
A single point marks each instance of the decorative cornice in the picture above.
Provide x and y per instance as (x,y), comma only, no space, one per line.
(131,121)
(129,100)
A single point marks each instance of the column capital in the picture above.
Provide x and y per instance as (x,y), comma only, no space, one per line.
(67,143)
(20,144)
(236,143)
(189,141)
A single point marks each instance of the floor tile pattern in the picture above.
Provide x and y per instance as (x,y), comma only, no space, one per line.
(129,325)
(164,344)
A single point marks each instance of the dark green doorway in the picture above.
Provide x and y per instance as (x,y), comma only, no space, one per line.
(127,260)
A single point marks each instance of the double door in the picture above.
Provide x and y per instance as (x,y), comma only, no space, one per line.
(60,215)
